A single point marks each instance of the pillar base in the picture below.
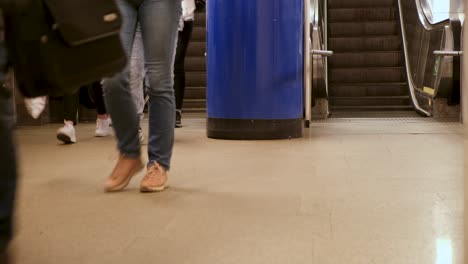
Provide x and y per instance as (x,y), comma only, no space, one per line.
(254,129)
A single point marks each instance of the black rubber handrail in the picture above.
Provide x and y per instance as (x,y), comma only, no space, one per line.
(422,7)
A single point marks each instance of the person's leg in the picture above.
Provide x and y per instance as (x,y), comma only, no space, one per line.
(159,21)
(67,133)
(121,107)
(103,122)
(70,107)
(137,76)
(8,173)
(137,71)
(179,68)
(98,97)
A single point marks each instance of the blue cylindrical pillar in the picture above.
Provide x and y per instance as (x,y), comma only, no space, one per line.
(255,69)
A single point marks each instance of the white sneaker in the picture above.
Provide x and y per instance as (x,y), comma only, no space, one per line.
(102,128)
(35,106)
(67,134)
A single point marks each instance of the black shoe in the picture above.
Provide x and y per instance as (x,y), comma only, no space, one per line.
(178,122)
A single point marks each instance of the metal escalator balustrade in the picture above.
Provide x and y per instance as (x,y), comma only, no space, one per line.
(315,58)
(431,75)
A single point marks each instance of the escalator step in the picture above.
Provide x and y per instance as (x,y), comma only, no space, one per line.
(196,49)
(366,59)
(195,64)
(368,89)
(196,79)
(195,92)
(354,29)
(193,110)
(374,108)
(199,34)
(370,43)
(362,14)
(360,3)
(374,101)
(367,75)
(195,103)
(200,19)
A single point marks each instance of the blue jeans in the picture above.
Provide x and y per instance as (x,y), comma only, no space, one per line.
(137,72)
(158,20)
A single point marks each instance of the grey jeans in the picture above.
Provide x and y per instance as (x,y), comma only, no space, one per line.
(159,20)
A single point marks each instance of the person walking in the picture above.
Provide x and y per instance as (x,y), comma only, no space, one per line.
(67,133)
(158,20)
(8,163)
(185,34)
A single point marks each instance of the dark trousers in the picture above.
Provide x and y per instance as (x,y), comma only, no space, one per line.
(8,172)
(179,65)
(98,97)
(71,103)
(70,107)
(7,169)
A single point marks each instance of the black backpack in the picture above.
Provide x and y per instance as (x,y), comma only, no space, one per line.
(57,46)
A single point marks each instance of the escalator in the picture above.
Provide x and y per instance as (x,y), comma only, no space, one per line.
(389,56)
(366,72)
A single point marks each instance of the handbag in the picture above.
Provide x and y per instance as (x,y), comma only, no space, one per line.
(57,46)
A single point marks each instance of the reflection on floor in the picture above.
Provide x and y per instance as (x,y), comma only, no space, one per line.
(363,191)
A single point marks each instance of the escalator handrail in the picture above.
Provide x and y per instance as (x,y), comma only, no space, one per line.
(411,84)
(315,21)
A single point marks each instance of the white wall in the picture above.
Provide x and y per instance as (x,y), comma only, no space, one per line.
(440,9)
(443,9)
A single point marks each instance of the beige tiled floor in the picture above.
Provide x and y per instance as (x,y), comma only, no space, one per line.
(349,192)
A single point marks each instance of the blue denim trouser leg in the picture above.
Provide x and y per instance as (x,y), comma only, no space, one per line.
(158,20)
(117,95)
(7,169)
(137,72)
